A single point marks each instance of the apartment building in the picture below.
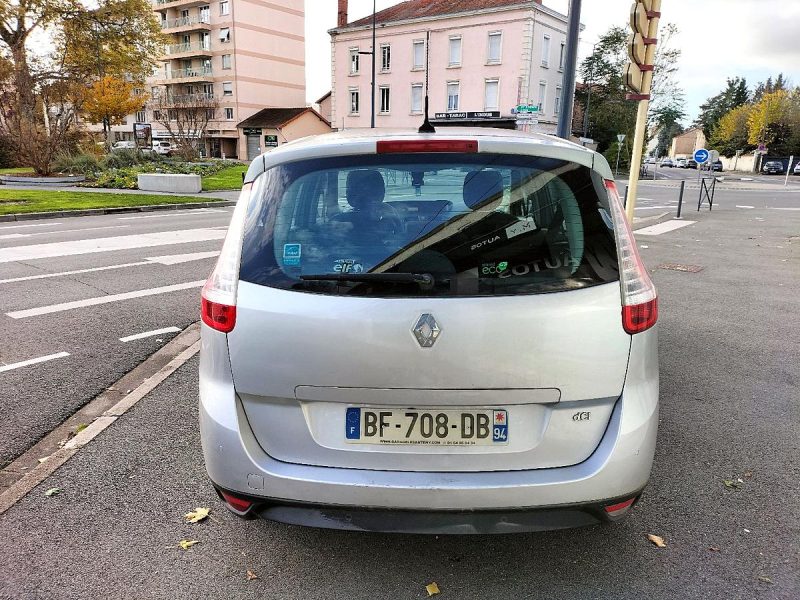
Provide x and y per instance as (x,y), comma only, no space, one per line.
(232,58)
(485,57)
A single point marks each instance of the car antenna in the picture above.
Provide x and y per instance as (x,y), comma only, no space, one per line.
(426,126)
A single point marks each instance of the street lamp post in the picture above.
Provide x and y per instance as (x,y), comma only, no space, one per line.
(372,53)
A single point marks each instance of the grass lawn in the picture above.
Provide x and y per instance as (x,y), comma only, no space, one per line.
(15,170)
(229,178)
(27,201)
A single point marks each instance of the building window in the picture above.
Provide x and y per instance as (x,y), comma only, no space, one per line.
(141,117)
(226,61)
(156,115)
(354,61)
(557,107)
(205,40)
(546,51)
(138,91)
(224,8)
(353,101)
(452,95)
(542,95)
(205,14)
(416,98)
(419,55)
(225,34)
(229,114)
(210,114)
(455,51)
(227,88)
(491,93)
(386,57)
(172,114)
(495,46)
(384,92)
(208,90)
(561,57)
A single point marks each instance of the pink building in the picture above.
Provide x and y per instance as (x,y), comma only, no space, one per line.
(486,57)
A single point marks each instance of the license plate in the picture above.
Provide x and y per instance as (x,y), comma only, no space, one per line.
(487,427)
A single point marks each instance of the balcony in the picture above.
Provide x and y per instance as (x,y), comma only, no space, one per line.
(186,75)
(183,101)
(185,24)
(165,4)
(187,50)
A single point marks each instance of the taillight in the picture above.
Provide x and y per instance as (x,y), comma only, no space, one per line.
(639,298)
(620,508)
(406,146)
(218,298)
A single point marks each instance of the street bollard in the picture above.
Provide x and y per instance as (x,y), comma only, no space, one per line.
(680,198)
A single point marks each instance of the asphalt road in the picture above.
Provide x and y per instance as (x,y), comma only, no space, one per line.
(36,398)
(729,389)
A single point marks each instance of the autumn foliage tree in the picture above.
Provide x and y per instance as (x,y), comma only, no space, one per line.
(109,100)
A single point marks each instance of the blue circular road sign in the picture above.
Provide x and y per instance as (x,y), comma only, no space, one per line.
(701,156)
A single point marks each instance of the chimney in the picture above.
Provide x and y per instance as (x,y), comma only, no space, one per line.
(341,17)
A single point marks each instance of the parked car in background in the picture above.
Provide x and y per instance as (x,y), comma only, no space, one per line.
(123,145)
(162,147)
(667,162)
(680,163)
(717,165)
(772,167)
(691,163)
(797,169)
(650,160)
(502,323)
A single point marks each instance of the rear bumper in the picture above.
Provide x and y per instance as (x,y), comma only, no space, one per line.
(619,467)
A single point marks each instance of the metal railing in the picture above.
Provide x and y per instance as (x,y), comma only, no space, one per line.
(190,47)
(184,21)
(192,72)
(183,100)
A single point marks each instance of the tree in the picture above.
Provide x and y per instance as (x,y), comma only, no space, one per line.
(731,133)
(186,118)
(768,87)
(771,120)
(735,94)
(109,100)
(114,37)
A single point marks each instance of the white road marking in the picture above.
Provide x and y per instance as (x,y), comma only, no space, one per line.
(14,235)
(743,206)
(23,235)
(174,259)
(664,227)
(650,207)
(32,361)
(793,208)
(124,242)
(146,334)
(180,214)
(54,308)
(3,227)
(171,259)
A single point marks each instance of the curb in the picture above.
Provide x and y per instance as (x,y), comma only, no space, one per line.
(64,214)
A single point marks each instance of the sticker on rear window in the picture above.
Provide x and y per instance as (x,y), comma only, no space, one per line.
(522,226)
(291,254)
(347,265)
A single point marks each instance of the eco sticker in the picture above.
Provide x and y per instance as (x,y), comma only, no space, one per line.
(291,254)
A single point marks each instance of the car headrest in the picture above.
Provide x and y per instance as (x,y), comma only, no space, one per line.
(482,186)
(365,187)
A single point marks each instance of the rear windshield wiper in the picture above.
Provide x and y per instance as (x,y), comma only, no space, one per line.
(425,280)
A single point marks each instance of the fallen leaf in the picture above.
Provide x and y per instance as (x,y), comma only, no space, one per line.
(764,578)
(730,483)
(53,492)
(714,548)
(748,474)
(41,460)
(197,515)
(432,589)
(251,576)
(657,540)
(80,427)
(746,530)
(186,544)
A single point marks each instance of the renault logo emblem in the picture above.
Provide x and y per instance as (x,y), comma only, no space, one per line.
(426,330)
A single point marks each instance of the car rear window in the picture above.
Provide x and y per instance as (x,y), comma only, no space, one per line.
(429,225)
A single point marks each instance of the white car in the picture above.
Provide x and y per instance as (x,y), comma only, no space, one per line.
(475,355)
(123,145)
(796,169)
(162,147)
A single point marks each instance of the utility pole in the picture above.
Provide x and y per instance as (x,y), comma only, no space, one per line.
(373,53)
(568,93)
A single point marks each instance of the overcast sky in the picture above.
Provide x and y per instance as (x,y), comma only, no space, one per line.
(719,39)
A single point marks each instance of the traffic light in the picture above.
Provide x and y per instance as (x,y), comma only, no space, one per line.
(642,42)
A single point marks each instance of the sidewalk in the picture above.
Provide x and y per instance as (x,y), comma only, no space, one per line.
(201,196)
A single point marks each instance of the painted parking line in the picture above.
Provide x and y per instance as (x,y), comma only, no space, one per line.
(54,308)
(170,259)
(147,334)
(744,206)
(664,227)
(123,242)
(32,361)
(4,227)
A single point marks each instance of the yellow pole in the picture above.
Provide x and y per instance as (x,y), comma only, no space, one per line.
(641,118)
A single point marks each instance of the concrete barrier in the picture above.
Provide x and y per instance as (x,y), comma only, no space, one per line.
(169,182)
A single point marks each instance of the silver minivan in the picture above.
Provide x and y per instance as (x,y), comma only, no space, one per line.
(432,333)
